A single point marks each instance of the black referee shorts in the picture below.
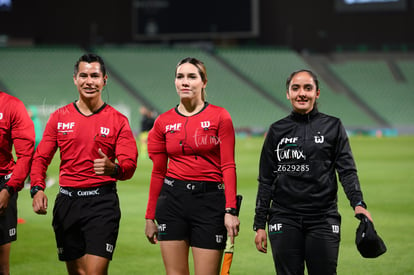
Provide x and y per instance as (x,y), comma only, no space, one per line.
(8,220)
(86,221)
(192,211)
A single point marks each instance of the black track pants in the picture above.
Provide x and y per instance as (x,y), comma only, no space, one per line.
(297,241)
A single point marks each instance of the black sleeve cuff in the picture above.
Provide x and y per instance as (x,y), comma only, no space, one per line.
(256,227)
(361,203)
(9,189)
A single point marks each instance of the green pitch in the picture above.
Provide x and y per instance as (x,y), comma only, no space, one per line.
(386,170)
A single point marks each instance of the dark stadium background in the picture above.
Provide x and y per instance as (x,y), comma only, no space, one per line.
(314,25)
(329,36)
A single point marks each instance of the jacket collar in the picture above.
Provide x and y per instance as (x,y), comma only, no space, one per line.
(304,117)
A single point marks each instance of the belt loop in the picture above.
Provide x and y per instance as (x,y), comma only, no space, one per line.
(204,187)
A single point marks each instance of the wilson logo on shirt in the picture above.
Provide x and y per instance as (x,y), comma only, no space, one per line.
(205,124)
(1,116)
(104,131)
(319,138)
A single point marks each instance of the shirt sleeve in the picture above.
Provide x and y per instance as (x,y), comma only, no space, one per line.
(23,136)
(158,154)
(346,168)
(44,153)
(228,167)
(126,152)
(266,180)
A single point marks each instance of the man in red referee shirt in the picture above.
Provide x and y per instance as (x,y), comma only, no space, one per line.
(97,148)
(16,129)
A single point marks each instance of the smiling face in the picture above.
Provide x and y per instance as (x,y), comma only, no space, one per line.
(189,83)
(302,92)
(89,80)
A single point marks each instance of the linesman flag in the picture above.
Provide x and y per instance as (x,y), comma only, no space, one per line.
(229,250)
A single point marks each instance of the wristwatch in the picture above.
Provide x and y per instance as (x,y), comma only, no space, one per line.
(231,211)
(34,190)
(116,170)
(9,189)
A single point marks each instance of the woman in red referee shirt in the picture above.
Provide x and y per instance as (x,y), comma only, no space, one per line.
(193,198)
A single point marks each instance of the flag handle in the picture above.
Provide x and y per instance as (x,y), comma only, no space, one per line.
(229,250)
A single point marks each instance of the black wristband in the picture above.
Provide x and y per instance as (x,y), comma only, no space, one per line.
(231,211)
(116,170)
(35,189)
(255,228)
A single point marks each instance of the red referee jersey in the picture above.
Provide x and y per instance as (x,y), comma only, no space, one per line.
(16,129)
(198,147)
(79,138)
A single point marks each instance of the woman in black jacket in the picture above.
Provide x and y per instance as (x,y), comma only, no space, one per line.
(297,191)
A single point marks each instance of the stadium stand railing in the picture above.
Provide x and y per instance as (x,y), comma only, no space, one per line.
(375,84)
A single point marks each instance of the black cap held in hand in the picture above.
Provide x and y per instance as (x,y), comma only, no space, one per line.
(368,242)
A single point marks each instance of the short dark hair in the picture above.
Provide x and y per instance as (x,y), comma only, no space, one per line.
(89,58)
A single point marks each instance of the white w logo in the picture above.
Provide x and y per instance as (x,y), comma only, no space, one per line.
(205,124)
(319,139)
(104,131)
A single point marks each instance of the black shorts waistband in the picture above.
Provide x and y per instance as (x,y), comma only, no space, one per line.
(88,192)
(194,186)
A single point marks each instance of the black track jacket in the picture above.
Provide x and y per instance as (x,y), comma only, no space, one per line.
(297,173)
